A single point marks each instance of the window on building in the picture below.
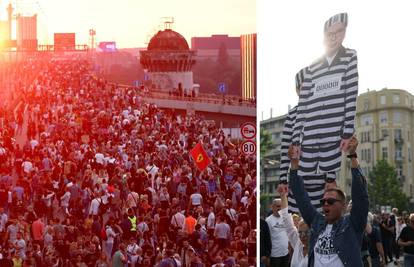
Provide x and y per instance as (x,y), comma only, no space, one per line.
(383,100)
(397,117)
(385,153)
(398,153)
(366,104)
(407,102)
(396,98)
(365,137)
(275,137)
(366,155)
(384,133)
(399,170)
(366,120)
(383,117)
(410,156)
(397,134)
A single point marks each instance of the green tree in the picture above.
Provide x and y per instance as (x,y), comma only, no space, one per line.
(384,188)
(265,142)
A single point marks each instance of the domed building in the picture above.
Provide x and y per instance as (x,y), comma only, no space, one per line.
(168,61)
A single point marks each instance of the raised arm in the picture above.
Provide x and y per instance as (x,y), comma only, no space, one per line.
(291,230)
(306,209)
(359,190)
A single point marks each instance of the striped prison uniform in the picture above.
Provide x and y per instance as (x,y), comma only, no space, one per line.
(314,184)
(326,112)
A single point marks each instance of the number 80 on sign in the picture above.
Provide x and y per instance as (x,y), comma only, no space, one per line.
(248,147)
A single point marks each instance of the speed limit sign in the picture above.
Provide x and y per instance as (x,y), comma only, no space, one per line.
(248,147)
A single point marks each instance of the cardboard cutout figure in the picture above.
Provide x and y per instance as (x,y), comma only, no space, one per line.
(314,184)
(327,103)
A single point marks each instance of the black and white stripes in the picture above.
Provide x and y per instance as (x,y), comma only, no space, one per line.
(314,184)
(326,112)
(338,18)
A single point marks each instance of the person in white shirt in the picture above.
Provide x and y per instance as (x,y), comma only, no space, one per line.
(245,199)
(177,220)
(100,158)
(110,238)
(20,246)
(133,251)
(279,255)
(196,199)
(298,238)
(27,166)
(211,222)
(64,201)
(94,207)
(3,220)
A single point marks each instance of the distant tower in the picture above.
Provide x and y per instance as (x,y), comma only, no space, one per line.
(168,60)
(92,34)
(10,20)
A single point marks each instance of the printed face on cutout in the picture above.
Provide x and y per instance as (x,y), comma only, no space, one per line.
(333,38)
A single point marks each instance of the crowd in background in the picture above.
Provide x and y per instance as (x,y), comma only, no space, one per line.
(106,179)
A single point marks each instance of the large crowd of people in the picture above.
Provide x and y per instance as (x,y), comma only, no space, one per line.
(106,179)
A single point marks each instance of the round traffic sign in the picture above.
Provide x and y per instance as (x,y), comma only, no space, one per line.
(248,130)
(248,147)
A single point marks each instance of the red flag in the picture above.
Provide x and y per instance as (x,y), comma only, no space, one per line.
(200,157)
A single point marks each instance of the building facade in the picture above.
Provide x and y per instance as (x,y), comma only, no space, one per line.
(27,33)
(384,125)
(248,65)
(270,162)
(209,47)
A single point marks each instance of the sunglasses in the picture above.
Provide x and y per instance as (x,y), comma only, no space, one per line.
(303,233)
(329,201)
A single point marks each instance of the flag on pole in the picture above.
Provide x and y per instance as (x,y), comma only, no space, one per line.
(200,157)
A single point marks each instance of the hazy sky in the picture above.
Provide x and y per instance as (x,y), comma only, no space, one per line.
(290,36)
(131,22)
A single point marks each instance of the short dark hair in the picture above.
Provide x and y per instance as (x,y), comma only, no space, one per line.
(339,192)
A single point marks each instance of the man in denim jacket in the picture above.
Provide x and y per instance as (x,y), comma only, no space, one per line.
(335,239)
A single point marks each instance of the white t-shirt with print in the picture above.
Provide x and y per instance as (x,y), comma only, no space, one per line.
(278,236)
(325,254)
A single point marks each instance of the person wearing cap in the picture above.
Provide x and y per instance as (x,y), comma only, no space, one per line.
(313,183)
(327,104)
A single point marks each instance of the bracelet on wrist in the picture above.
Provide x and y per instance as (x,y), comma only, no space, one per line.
(353,155)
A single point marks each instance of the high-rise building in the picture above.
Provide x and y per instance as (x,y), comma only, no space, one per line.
(248,65)
(209,47)
(270,162)
(27,33)
(384,125)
